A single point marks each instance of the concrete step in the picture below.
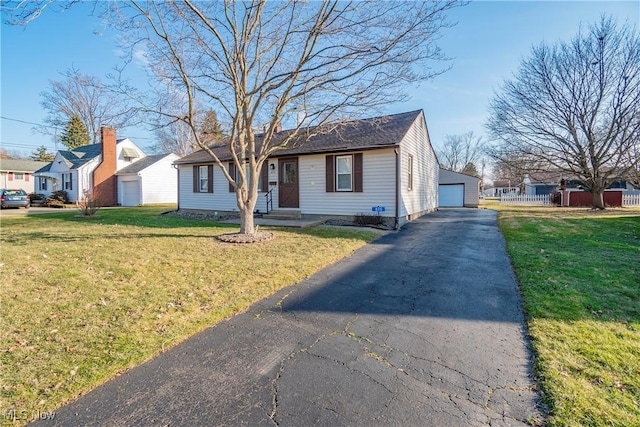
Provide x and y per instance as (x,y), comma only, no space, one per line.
(283,214)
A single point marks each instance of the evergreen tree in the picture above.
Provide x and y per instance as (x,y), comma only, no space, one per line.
(42,155)
(75,134)
(210,129)
(470,169)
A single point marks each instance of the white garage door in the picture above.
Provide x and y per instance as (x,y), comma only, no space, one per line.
(451,195)
(130,193)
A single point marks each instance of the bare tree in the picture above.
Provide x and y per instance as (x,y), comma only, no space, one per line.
(457,151)
(86,97)
(259,63)
(177,137)
(574,107)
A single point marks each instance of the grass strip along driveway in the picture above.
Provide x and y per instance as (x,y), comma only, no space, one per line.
(579,273)
(86,299)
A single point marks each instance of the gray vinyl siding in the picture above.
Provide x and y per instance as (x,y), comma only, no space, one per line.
(221,199)
(423,196)
(378,186)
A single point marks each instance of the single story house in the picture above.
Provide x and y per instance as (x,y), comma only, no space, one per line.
(18,174)
(457,189)
(378,166)
(543,183)
(505,187)
(94,169)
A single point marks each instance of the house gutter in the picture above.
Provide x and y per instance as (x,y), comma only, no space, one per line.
(397,219)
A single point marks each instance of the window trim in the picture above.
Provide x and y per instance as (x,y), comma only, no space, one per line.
(338,174)
(197,184)
(66,187)
(263,177)
(331,176)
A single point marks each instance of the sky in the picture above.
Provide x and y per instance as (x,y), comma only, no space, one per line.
(486,45)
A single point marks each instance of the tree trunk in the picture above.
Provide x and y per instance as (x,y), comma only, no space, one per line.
(246,222)
(598,199)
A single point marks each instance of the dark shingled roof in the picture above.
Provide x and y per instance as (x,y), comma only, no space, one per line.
(142,164)
(376,132)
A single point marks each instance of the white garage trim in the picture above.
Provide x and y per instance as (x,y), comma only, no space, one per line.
(451,195)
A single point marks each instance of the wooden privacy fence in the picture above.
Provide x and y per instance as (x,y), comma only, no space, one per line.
(525,200)
(631,200)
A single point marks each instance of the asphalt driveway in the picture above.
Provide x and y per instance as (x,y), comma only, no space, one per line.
(422,327)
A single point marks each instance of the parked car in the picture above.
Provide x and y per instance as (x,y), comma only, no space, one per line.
(14,199)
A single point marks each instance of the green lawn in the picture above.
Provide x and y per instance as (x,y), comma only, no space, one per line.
(86,299)
(579,273)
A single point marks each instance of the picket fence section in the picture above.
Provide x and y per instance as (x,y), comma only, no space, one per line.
(631,200)
(526,200)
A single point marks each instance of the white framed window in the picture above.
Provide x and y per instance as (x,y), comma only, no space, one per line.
(203,178)
(344,173)
(66,182)
(18,176)
(43,184)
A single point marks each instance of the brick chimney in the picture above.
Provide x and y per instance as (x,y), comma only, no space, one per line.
(105,188)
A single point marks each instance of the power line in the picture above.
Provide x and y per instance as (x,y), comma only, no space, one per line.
(59,128)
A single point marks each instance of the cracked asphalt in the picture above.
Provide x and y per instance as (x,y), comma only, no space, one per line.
(422,327)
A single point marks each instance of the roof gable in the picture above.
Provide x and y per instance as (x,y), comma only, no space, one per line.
(375,132)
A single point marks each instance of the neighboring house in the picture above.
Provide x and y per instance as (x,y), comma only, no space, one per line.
(93,169)
(146,182)
(383,165)
(542,183)
(505,187)
(457,189)
(18,174)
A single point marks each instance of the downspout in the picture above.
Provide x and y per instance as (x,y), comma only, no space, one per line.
(397,224)
(173,165)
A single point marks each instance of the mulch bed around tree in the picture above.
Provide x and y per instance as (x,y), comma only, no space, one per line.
(260,236)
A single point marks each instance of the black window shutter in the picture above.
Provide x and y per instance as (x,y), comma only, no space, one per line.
(232,172)
(357,173)
(196,180)
(330,175)
(210,179)
(264,172)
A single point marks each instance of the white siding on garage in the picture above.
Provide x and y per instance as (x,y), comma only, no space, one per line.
(160,182)
(423,196)
(471,186)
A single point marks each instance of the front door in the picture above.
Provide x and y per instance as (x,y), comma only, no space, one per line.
(288,183)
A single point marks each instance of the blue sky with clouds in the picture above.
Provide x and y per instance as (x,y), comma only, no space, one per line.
(486,46)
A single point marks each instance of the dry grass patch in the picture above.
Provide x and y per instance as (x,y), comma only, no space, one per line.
(84,300)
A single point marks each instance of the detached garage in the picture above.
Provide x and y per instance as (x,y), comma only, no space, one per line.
(150,180)
(458,190)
